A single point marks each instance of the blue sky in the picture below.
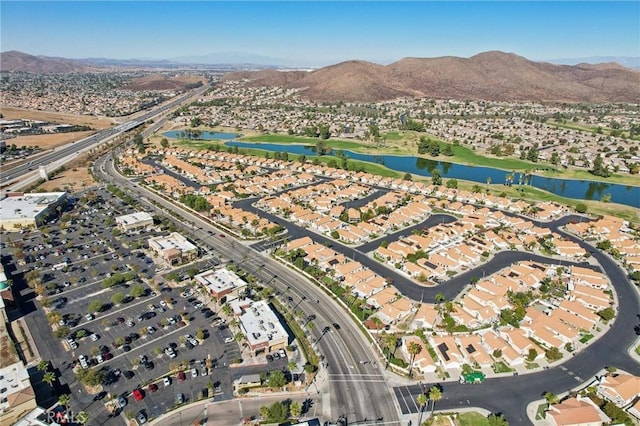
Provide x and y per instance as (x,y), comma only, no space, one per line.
(319,33)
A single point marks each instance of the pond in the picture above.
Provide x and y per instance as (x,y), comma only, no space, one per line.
(206,136)
(578,189)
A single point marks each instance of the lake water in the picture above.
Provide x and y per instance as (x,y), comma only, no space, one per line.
(578,189)
(207,136)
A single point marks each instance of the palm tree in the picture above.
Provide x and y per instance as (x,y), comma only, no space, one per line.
(82,418)
(414,349)
(378,323)
(551,398)
(49,377)
(435,394)
(421,400)
(291,365)
(295,409)
(64,400)
(43,365)
(264,412)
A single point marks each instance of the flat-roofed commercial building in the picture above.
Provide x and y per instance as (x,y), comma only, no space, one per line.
(19,210)
(221,282)
(173,249)
(134,221)
(262,328)
(17,397)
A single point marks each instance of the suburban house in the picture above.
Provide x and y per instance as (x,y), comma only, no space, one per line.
(621,388)
(576,412)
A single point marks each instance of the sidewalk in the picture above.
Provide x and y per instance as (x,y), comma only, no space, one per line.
(28,346)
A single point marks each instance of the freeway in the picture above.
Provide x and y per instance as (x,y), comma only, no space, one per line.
(69,151)
(356,383)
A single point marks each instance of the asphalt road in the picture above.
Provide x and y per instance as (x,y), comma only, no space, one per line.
(510,395)
(68,151)
(507,395)
(349,382)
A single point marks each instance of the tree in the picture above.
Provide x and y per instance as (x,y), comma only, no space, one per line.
(599,169)
(82,418)
(137,290)
(421,400)
(436,178)
(414,349)
(117,298)
(296,409)
(407,176)
(497,420)
(452,184)
(607,314)
(551,398)
(64,400)
(164,142)
(553,354)
(276,379)
(91,376)
(435,395)
(95,306)
(532,355)
(49,377)
(581,208)
(42,365)
(264,412)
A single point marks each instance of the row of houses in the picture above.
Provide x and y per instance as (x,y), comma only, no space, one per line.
(617,232)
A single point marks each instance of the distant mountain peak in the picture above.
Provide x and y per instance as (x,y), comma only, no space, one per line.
(492,75)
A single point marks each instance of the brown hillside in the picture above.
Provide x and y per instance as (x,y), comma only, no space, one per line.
(14,61)
(491,75)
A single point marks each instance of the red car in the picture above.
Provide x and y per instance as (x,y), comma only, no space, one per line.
(137,394)
(181,376)
(153,387)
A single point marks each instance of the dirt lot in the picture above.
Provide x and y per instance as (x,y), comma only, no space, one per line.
(10,113)
(48,141)
(74,179)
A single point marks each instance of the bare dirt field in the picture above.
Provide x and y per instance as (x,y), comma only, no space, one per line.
(48,141)
(74,179)
(12,113)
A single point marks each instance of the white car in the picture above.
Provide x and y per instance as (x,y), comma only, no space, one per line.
(163,303)
(282,353)
(228,339)
(204,371)
(94,337)
(194,372)
(166,381)
(100,359)
(89,317)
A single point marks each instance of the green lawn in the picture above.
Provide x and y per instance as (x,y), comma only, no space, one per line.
(541,411)
(501,367)
(393,136)
(638,350)
(586,338)
(282,139)
(531,365)
(462,154)
(472,419)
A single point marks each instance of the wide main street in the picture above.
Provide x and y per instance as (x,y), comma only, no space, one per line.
(351,386)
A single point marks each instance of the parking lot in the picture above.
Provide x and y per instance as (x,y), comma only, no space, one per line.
(135,330)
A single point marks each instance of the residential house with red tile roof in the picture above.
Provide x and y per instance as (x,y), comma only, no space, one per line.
(576,411)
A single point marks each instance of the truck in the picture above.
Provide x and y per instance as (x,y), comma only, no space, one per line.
(474,377)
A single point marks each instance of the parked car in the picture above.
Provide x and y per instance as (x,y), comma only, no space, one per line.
(153,387)
(194,372)
(141,418)
(137,394)
(166,381)
(181,376)
(179,398)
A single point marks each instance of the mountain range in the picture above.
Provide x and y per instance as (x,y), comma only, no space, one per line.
(492,75)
